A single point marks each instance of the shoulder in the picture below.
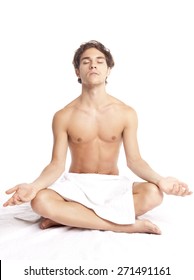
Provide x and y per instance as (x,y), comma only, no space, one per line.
(127,113)
(66,111)
(130,117)
(63,115)
(126,110)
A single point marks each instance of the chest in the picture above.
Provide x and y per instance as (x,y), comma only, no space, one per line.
(88,127)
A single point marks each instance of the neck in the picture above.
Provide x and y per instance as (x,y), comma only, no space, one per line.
(94,96)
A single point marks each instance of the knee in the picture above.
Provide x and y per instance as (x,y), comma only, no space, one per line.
(153,195)
(146,197)
(39,204)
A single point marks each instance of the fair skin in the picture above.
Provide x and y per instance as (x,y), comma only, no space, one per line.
(95,124)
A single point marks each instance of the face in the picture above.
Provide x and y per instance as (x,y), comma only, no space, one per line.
(93,67)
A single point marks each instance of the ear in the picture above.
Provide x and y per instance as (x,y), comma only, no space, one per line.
(77,72)
(108,71)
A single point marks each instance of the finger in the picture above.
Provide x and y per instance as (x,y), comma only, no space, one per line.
(14,189)
(18,202)
(5,204)
(183,184)
(9,203)
(187,192)
(175,189)
(179,190)
(13,201)
(16,199)
(183,190)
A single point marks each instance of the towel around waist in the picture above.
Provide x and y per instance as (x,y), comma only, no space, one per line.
(109,196)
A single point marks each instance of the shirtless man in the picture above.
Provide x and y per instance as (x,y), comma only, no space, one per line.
(93,126)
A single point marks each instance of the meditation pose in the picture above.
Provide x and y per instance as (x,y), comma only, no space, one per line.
(92,194)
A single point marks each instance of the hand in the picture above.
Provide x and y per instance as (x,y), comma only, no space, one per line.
(170,185)
(22,193)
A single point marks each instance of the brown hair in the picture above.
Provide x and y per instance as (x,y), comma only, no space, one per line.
(92,44)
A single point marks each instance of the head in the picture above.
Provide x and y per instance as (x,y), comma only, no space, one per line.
(92,44)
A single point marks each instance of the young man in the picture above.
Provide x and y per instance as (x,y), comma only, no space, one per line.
(93,126)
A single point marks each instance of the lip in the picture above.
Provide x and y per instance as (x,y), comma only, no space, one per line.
(92,72)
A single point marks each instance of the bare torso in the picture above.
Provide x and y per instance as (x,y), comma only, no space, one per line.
(95,136)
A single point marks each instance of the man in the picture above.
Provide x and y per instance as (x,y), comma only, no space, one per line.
(93,126)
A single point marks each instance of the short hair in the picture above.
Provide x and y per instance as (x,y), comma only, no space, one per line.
(92,44)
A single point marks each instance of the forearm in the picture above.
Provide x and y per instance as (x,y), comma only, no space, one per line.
(142,169)
(48,176)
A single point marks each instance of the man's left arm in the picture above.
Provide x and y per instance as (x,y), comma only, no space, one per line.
(140,167)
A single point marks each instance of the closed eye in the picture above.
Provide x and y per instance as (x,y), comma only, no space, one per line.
(100,61)
(85,61)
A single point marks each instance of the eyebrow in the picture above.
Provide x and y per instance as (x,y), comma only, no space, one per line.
(98,57)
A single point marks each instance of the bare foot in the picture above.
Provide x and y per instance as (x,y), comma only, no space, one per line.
(47,223)
(143,226)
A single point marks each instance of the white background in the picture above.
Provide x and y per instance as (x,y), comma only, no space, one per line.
(152,43)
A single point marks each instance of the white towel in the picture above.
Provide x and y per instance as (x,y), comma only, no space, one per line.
(109,196)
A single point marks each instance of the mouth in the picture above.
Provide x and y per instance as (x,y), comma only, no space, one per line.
(93,73)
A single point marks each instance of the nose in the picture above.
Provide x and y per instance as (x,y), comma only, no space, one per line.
(92,65)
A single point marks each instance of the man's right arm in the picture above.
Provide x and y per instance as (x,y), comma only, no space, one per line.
(57,165)
(26,192)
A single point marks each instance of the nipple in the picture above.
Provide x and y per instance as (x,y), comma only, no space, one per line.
(79,139)
(114,137)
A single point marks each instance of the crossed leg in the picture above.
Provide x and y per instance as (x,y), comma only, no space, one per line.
(57,211)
